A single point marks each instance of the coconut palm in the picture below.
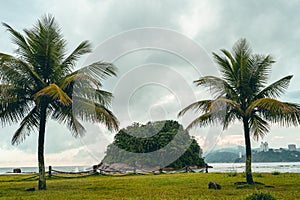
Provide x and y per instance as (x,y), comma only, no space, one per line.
(242,93)
(39,83)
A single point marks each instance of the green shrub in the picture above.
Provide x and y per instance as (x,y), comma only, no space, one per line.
(260,196)
(275,173)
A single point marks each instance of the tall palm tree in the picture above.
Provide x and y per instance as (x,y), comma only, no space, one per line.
(242,93)
(39,83)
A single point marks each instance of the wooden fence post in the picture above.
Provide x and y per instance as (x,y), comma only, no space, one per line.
(50,171)
(95,167)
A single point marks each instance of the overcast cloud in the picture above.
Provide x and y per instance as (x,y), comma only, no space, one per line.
(153,83)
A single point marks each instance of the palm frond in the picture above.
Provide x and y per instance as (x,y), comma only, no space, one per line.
(229,57)
(222,103)
(77,129)
(96,95)
(215,117)
(258,72)
(56,93)
(226,68)
(90,111)
(229,117)
(17,38)
(48,45)
(99,70)
(216,86)
(83,48)
(225,111)
(199,105)
(65,115)
(275,89)
(259,127)
(276,111)
(17,71)
(13,104)
(80,80)
(241,52)
(85,86)
(202,121)
(261,66)
(216,111)
(28,124)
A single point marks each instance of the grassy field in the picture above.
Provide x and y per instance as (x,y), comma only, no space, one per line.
(164,186)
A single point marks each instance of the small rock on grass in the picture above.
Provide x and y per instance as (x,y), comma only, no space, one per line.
(214,185)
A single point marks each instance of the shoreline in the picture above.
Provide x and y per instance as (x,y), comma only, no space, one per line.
(282,167)
(155,174)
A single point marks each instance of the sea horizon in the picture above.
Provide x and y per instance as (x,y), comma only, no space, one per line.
(266,167)
(34,169)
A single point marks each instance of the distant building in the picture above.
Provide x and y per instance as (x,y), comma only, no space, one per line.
(292,147)
(264,146)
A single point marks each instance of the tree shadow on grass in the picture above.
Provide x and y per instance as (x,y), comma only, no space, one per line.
(255,185)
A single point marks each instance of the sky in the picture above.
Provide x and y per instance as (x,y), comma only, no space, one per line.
(159,48)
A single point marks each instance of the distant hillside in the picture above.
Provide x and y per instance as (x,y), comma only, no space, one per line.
(224,155)
(221,157)
(232,155)
(154,145)
(271,156)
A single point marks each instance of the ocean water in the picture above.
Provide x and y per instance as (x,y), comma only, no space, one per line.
(9,170)
(283,167)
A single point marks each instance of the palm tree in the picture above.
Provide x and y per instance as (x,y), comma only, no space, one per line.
(39,83)
(242,93)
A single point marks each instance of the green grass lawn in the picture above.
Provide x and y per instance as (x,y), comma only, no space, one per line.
(164,186)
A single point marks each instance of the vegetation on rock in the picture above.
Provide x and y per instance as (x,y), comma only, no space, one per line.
(162,144)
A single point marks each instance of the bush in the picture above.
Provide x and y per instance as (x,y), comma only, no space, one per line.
(260,196)
(275,173)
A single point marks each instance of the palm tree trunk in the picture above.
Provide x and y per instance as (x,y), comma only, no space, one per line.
(41,140)
(249,178)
